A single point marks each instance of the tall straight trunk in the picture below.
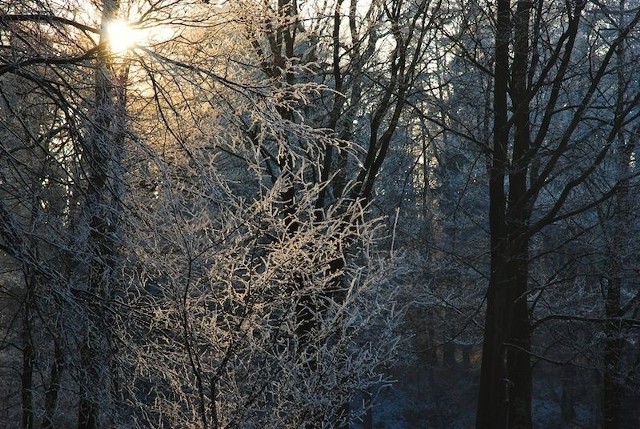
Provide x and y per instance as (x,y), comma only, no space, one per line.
(505,376)
(611,388)
(518,213)
(27,357)
(613,329)
(101,152)
(491,412)
(31,280)
(518,345)
(53,390)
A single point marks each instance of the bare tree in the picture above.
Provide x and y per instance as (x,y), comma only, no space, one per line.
(524,158)
(198,277)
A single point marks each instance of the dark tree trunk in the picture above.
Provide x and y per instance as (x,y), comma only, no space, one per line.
(519,376)
(614,331)
(367,422)
(518,213)
(466,356)
(53,390)
(102,152)
(611,389)
(87,414)
(449,355)
(491,411)
(567,408)
(27,358)
(505,376)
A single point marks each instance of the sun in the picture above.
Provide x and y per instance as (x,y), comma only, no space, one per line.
(122,37)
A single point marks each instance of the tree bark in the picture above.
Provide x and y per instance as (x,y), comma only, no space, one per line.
(27,356)
(612,389)
(518,213)
(491,411)
(102,152)
(53,390)
(505,376)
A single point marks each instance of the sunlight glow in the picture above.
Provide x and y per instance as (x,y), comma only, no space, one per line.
(122,36)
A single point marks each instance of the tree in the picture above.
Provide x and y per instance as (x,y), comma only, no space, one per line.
(255,273)
(524,156)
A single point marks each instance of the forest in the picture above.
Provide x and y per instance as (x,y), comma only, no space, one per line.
(315,214)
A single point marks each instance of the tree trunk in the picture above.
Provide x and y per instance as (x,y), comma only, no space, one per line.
(518,213)
(367,422)
(613,329)
(27,357)
(519,376)
(102,151)
(567,408)
(53,390)
(611,389)
(491,411)
(505,376)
